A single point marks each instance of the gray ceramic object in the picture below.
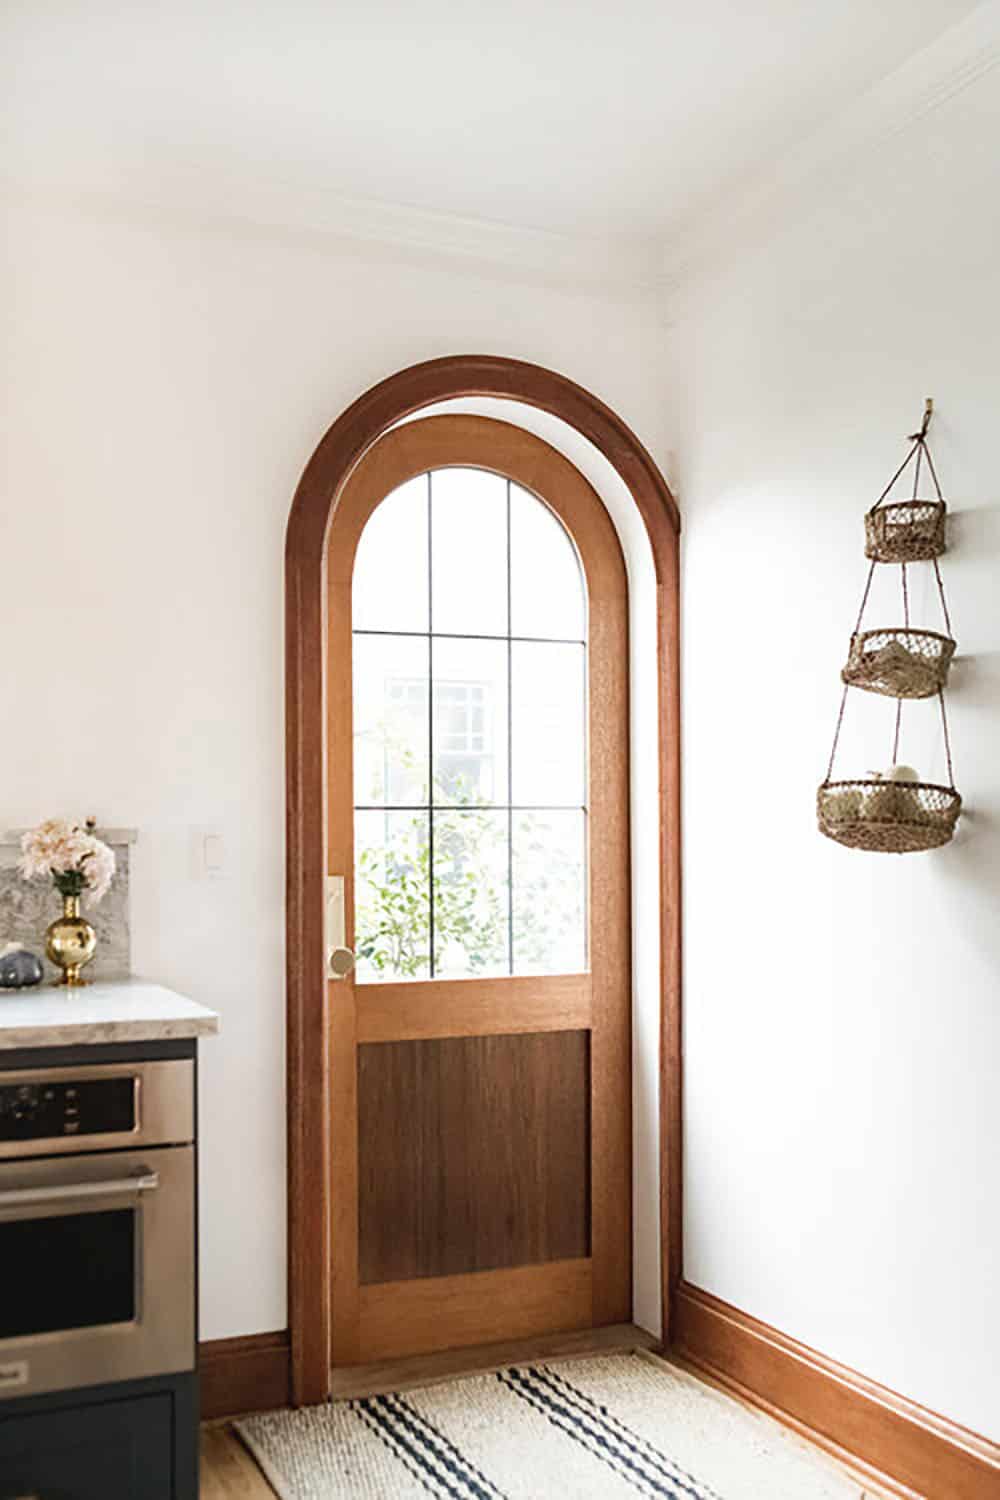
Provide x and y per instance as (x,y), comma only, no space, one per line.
(19,969)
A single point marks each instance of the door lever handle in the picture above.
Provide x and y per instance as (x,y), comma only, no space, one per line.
(339,958)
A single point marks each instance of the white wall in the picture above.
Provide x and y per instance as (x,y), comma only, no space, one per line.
(164,386)
(843,1009)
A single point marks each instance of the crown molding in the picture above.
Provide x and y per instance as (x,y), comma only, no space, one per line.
(617,264)
(928,80)
(656,270)
(623,266)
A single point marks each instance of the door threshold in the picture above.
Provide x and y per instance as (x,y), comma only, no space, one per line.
(432,1369)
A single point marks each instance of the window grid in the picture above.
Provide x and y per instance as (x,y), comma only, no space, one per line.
(464,807)
(460,635)
(510,807)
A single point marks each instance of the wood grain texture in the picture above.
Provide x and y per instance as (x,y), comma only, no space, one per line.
(433,1369)
(925,1456)
(422,1009)
(610,956)
(307,1058)
(341,1008)
(667,552)
(448,1312)
(474,1154)
(228,1470)
(336,456)
(343,1203)
(237,1375)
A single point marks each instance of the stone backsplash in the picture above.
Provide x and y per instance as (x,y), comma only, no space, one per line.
(28,906)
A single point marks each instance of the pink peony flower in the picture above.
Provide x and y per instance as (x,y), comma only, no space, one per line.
(57,847)
(98,865)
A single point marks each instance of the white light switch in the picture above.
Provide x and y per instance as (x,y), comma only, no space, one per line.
(213,853)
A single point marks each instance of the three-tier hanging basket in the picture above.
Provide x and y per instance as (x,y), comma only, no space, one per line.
(897,813)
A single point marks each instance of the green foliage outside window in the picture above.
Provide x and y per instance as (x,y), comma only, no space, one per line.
(470,901)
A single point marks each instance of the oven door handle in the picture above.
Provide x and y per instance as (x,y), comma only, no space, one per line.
(143,1182)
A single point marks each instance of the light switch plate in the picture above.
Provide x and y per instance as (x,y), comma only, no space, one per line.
(213,854)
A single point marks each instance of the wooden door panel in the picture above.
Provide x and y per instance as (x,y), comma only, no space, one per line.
(472,1007)
(453,1312)
(474,1154)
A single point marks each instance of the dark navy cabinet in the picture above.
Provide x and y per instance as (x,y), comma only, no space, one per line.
(102,1444)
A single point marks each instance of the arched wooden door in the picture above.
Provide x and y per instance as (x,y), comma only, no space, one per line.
(477,734)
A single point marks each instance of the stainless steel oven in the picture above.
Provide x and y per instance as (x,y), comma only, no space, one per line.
(97,1272)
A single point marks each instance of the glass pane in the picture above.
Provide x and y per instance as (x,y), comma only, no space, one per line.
(546,581)
(469,553)
(470,721)
(392,895)
(391,728)
(67,1271)
(470,893)
(548,723)
(389,590)
(549,892)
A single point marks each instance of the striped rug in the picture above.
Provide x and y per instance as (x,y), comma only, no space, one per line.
(611,1427)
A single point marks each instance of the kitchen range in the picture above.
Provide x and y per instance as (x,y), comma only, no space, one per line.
(98,1244)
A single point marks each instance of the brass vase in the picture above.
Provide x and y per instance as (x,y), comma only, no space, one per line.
(71,942)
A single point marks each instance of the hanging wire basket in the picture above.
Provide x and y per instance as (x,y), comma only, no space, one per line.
(899,662)
(897,814)
(905,531)
(888,817)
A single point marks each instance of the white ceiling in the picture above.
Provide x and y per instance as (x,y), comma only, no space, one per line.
(578,116)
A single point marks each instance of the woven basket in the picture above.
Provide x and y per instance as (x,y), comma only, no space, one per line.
(901,663)
(907,531)
(887,817)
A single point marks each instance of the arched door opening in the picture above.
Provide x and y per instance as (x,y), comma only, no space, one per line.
(327,1292)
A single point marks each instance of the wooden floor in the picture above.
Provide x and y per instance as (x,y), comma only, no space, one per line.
(227,1470)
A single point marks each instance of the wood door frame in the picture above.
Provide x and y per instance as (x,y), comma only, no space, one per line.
(344,444)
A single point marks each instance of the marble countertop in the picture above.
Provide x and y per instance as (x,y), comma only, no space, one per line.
(121,1010)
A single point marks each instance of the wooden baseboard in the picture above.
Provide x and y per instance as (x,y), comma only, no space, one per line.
(253,1373)
(903,1447)
(244,1374)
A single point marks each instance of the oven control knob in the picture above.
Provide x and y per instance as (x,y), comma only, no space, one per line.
(25,1102)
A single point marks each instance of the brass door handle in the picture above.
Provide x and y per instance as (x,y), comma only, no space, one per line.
(339,958)
(340,962)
